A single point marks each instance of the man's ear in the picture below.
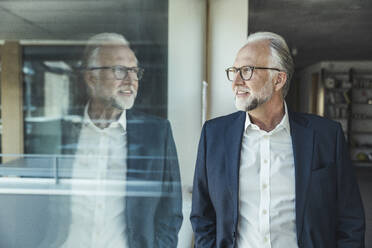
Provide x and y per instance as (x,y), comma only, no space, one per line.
(280,80)
(90,80)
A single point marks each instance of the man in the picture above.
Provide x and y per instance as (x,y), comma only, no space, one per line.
(127,189)
(268,177)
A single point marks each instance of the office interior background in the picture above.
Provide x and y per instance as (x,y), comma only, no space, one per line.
(184,47)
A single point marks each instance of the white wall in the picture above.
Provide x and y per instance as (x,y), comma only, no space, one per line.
(228,25)
(228,31)
(187,20)
(186,70)
(188,67)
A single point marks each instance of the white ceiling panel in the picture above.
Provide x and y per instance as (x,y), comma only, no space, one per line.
(138,20)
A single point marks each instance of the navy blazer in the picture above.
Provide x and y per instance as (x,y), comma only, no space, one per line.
(329,211)
(153,210)
(152,221)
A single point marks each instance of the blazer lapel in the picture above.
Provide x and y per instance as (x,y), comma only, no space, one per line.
(135,144)
(135,149)
(233,142)
(303,144)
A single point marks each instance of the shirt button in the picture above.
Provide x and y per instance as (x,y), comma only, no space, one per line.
(264,211)
(266,239)
(265,161)
(264,186)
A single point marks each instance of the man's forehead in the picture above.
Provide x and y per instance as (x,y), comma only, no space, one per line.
(254,52)
(117,52)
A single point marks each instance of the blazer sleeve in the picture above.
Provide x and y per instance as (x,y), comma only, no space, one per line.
(169,211)
(203,216)
(351,219)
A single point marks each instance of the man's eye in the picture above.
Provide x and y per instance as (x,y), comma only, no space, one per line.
(120,70)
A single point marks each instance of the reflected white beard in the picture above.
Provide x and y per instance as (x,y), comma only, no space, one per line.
(123,103)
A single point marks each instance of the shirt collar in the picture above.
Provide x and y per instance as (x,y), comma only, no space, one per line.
(122,121)
(284,123)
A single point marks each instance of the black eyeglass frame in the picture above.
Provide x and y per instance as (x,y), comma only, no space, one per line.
(252,70)
(139,71)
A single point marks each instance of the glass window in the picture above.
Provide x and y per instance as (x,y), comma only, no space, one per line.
(97,161)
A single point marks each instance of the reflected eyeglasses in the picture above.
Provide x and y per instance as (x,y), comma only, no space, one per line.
(245,72)
(122,72)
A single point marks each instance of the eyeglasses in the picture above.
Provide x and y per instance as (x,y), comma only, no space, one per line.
(121,72)
(246,72)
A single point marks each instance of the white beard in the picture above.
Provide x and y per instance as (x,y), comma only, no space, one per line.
(254,100)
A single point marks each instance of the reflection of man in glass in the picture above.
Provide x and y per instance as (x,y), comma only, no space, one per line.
(127,191)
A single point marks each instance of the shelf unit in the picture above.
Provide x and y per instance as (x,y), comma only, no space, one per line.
(348,100)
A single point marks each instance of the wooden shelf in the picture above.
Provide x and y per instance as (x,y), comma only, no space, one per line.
(338,89)
(361,147)
(362,119)
(360,132)
(362,88)
(361,103)
(357,163)
(338,104)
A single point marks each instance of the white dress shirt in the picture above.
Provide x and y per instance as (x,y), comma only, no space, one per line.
(98,188)
(267,216)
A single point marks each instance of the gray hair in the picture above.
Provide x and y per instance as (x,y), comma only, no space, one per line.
(96,42)
(280,54)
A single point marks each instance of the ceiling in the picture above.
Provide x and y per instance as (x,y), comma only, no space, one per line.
(141,21)
(318,29)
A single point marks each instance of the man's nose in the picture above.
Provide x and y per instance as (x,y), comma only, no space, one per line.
(132,76)
(238,80)
(128,79)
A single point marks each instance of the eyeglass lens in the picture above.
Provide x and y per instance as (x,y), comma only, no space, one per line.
(245,73)
(121,73)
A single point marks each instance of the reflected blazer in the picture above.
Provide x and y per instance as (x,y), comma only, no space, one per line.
(153,210)
(329,211)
